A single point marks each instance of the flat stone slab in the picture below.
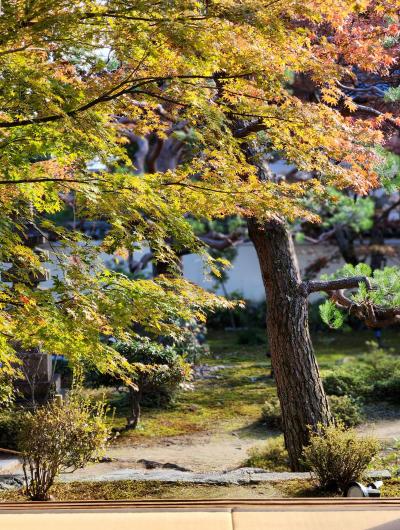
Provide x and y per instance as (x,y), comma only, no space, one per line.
(236,476)
(379,474)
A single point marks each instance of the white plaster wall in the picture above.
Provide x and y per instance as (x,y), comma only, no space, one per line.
(244,277)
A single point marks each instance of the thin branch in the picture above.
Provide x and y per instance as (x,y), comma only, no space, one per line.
(253,127)
(378,113)
(371,89)
(49,179)
(162,98)
(385,214)
(325,236)
(10,451)
(109,96)
(203,188)
(123,16)
(16,50)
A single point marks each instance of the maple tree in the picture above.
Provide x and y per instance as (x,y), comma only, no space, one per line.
(77,77)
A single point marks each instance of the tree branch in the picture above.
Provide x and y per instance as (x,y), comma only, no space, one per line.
(373,316)
(50,179)
(219,241)
(253,127)
(153,20)
(109,96)
(378,113)
(385,214)
(334,285)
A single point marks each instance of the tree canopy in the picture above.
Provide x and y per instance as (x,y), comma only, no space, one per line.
(75,77)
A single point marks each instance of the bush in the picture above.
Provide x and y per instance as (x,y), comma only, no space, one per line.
(388,389)
(375,375)
(57,438)
(159,371)
(191,345)
(271,414)
(346,410)
(10,425)
(349,380)
(338,456)
(272,457)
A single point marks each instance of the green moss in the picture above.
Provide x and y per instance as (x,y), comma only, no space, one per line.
(235,398)
(130,490)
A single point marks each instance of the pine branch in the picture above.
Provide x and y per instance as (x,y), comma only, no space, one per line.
(329,286)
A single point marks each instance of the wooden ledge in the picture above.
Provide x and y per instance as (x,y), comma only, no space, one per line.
(268,504)
(282,514)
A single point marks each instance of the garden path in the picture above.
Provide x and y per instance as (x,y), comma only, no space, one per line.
(201,453)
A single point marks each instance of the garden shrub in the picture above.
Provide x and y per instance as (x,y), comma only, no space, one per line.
(346,410)
(7,390)
(10,424)
(158,369)
(338,456)
(158,373)
(349,380)
(375,375)
(272,457)
(389,389)
(57,438)
(271,414)
(192,345)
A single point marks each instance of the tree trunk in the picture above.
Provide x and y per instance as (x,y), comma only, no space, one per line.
(377,242)
(345,237)
(134,403)
(300,391)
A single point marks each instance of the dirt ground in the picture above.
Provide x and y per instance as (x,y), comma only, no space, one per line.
(385,430)
(202,453)
(199,453)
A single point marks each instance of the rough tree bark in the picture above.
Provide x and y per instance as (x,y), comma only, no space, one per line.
(300,391)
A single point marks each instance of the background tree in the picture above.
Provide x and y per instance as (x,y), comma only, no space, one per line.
(159,370)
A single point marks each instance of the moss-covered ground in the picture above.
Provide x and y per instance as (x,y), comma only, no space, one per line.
(233,397)
(129,490)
